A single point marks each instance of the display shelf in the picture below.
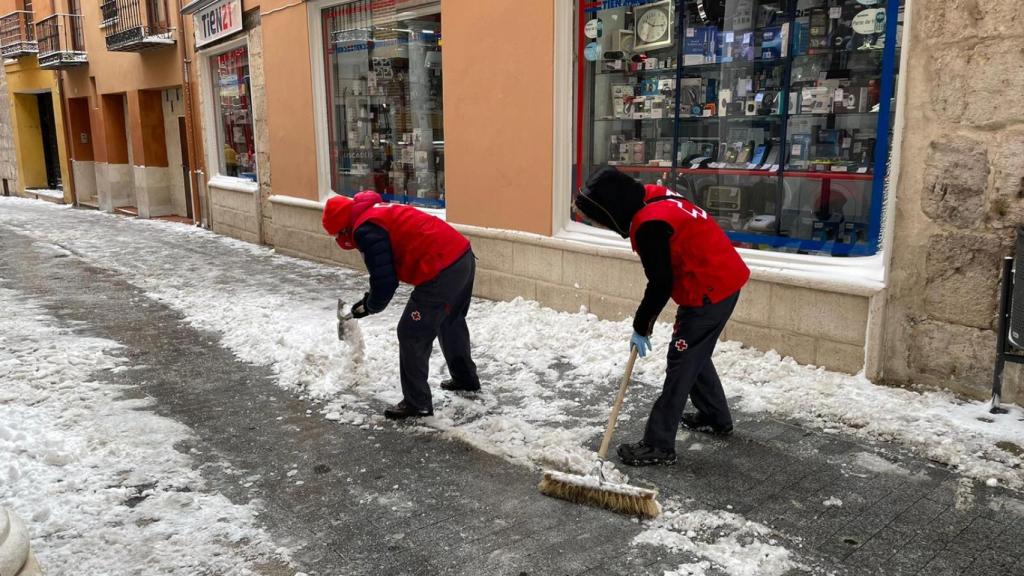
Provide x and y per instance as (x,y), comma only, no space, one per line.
(733,64)
(762,172)
(828,175)
(699,119)
(639,72)
(834,115)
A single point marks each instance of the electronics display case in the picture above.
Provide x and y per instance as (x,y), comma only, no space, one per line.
(385,104)
(771,114)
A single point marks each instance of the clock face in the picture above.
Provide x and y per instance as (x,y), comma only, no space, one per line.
(653,25)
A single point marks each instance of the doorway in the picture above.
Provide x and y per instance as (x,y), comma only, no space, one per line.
(185,168)
(48,132)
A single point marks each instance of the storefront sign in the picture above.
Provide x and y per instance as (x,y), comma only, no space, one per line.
(218,21)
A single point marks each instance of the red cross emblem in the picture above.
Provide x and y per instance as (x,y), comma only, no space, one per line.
(681,345)
(416,316)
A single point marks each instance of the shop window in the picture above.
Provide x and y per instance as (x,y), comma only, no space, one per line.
(773,115)
(384,99)
(236,145)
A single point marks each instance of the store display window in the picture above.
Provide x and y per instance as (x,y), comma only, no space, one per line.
(773,115)
(384,99)
(236,146)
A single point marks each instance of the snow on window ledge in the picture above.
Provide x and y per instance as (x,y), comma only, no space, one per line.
(319,205)
(233,184)
(860,276)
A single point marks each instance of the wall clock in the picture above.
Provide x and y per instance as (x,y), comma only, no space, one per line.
(653,25)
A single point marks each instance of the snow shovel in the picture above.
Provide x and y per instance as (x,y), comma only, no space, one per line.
(344,318)
(350,333)
(593,489)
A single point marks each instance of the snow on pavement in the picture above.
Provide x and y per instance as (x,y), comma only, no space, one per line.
(274,310)
(548,376)
(96,476)
(724,540)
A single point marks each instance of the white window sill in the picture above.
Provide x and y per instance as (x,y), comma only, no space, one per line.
(862,276)
(233,184)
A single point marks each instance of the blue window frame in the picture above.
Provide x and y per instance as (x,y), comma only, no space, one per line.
(773,115)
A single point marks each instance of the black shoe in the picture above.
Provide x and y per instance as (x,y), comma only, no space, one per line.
(640,454)
(700,423)
(402,410)
(454,385)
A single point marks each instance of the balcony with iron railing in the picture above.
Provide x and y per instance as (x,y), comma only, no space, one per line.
(17,35)
(61,41)
(133,25)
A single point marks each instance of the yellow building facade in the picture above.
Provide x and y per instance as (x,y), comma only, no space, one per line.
(37,114)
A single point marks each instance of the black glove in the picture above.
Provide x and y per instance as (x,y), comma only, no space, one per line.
(359,309)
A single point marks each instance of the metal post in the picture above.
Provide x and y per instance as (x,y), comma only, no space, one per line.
(1004,312)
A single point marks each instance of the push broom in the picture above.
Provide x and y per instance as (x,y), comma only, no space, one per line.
(593,489)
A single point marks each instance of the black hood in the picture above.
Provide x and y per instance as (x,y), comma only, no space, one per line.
(611,199)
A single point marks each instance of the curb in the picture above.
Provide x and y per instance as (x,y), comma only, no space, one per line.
(15,557)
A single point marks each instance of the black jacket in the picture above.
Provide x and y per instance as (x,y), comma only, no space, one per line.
(375,244)
(611,199)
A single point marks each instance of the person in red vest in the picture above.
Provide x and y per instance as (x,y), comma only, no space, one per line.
(403,244)
(687,257)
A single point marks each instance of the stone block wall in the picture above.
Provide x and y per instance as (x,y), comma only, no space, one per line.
(233,213)
(960,193)
(261,131)
(8,154)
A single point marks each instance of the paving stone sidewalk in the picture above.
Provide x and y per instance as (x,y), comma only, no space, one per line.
(398,501)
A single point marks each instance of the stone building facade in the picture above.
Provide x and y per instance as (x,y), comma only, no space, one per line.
(8,153)
(960,195)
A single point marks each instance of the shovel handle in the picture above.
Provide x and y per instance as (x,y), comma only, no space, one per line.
(614,416)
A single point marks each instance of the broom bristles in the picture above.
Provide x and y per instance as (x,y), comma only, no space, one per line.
(591,491)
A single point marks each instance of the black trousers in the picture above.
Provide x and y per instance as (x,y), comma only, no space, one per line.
(691,373)
(437,309)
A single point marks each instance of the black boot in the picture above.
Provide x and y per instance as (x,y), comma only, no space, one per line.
(640,454)
(453,385)
(402,410)
(700,423)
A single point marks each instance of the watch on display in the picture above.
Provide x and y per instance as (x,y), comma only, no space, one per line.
(707,12)
(653,25)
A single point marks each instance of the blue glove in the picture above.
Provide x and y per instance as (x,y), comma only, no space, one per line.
(641,343)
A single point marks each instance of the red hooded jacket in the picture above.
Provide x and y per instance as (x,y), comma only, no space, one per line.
(422,245)
(704,262)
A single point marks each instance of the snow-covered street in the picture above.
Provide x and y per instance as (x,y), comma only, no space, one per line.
(270,456)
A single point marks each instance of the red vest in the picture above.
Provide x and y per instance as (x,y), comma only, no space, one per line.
(704,262)
(422,245)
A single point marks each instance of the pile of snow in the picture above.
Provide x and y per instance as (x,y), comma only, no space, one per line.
(96,476)
(725,541)
(549,377)
(833,502)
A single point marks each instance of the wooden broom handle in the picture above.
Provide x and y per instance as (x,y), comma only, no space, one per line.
(614,416)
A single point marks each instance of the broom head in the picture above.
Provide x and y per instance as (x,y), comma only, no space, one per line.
(594,491)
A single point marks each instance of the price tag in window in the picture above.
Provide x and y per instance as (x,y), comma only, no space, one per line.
(863,170)
(774,168)
(839,168)
(836,12)
(751,166)
(838,96)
